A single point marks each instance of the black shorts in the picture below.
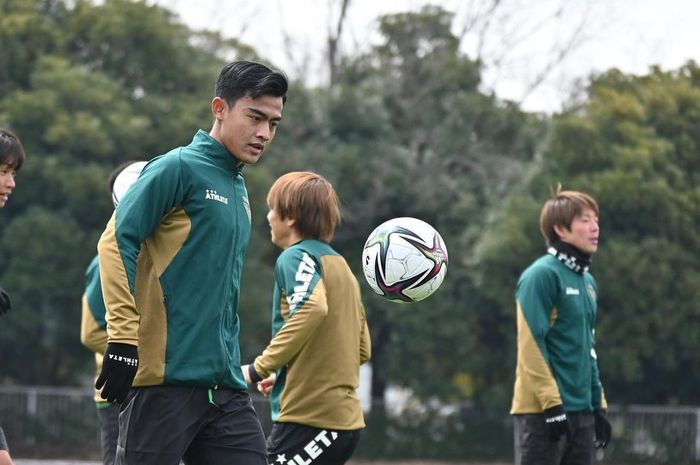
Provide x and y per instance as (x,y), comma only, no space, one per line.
(292,444)
(533,446)
(161,425)
(108,419)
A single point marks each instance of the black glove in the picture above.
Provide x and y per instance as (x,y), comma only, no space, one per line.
(557,423)
(5,302)
(118,371)
(603,429)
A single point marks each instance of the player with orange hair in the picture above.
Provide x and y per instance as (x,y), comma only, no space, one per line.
(311,367)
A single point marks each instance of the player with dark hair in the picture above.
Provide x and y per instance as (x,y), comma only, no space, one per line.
(11,160)
(558,401)
(93,335)
(170,263)
(311,367)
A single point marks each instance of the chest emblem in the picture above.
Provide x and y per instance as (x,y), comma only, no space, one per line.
(572,291)
(212,195)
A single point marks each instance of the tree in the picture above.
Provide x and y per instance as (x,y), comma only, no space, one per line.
(644,153)
(85,87)
(528,47)
(633,143)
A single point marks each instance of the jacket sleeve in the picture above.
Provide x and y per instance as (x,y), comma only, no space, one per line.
(597,393)
(91,335)
(155,193)
(598,400)
(93,327)
(535,297)
(365,340)
(300,280)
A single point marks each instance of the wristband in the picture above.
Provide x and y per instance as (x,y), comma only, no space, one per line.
(253,375)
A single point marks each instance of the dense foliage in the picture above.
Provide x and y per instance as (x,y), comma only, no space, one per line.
(633,143)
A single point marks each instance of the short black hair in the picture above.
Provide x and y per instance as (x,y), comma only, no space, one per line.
(240,79)
(11,149)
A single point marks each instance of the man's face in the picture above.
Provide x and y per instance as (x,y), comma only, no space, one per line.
(7,183)
(282,231)
(583,233)
(248,127)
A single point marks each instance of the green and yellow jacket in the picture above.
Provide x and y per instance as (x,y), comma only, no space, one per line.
(319,339)
(170,263)
(556,362)
(93,326)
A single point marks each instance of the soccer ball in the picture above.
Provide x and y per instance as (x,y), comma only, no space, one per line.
(404,260)
(125,179)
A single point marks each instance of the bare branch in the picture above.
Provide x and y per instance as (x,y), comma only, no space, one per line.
(507,37)
(333,40)
(556,59)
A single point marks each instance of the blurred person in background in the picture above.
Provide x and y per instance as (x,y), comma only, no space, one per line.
(93,327)
(558,401)
(11,159)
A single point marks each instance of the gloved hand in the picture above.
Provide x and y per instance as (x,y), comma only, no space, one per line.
(5,302)
(603,429)
(119,366)
(557,423)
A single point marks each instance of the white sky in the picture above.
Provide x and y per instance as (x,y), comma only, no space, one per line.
(523,37)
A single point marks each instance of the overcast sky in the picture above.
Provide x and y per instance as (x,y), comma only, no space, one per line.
(525,36)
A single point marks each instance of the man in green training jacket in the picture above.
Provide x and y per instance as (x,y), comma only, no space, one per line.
(558,401)
(93,331)
(170,264)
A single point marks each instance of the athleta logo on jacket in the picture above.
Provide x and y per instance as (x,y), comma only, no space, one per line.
(313,449)
(305,273)
(212,195)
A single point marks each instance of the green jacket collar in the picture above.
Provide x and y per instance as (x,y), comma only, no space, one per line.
(217,151)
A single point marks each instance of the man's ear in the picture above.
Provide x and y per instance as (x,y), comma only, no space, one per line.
(218,107)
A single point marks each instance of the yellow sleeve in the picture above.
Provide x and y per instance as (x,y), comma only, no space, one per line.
(295,332)
(91,335)
(121,314)
(536,388)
